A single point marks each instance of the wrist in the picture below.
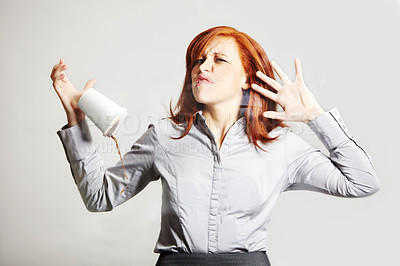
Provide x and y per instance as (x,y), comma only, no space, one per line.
(314,113)
(75,117)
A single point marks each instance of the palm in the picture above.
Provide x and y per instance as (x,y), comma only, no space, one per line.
(295,98)
(66,91)
(68,94)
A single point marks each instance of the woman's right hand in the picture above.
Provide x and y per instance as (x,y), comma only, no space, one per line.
(68,94)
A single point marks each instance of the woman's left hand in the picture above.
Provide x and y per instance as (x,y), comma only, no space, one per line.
(294,97)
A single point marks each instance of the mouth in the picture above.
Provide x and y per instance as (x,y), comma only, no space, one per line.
(202,79)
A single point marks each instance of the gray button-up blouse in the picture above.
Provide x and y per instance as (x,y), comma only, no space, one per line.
(219,200)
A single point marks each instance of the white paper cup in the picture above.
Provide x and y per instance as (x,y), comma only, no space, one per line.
(104,113)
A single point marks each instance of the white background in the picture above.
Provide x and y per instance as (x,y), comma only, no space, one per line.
(135,49)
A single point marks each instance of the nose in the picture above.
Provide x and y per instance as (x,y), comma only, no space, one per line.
(206,65)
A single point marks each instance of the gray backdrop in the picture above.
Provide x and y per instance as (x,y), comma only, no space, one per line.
(135,49)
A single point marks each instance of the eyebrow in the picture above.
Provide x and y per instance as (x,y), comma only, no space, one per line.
(218,53)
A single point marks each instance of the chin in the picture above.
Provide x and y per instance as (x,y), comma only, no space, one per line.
(198,96)
(202,100)
(202,97)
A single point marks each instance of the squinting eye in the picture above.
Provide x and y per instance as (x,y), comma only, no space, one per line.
(199,61)
(219,59)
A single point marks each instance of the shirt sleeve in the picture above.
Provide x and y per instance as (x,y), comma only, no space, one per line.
(100,187)
(347,172)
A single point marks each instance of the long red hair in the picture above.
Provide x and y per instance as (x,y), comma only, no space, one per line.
(253,58)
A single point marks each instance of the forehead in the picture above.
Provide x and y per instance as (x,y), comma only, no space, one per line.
(223,46)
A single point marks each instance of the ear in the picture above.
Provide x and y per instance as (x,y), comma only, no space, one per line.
(245,84)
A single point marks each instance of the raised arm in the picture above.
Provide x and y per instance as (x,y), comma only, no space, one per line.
(348,171)
(100,187)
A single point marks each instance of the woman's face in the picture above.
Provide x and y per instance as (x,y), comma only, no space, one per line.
(218,75)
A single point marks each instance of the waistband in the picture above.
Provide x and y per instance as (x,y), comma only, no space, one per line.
(254,258)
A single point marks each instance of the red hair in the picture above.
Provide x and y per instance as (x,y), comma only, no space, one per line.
(253,58)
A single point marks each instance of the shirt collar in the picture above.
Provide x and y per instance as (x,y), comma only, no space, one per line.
(199,117)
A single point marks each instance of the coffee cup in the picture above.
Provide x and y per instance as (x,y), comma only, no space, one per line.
(103,112)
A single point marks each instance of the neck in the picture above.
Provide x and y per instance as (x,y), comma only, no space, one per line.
(220,118)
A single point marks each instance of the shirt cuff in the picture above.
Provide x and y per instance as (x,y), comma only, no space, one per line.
(77,141)
(330,129)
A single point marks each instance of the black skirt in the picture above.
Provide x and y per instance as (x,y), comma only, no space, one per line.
(255,258)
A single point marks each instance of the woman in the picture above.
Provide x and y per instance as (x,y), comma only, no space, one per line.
(224,155)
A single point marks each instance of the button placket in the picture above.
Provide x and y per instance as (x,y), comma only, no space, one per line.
(216,182)
(214,203)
